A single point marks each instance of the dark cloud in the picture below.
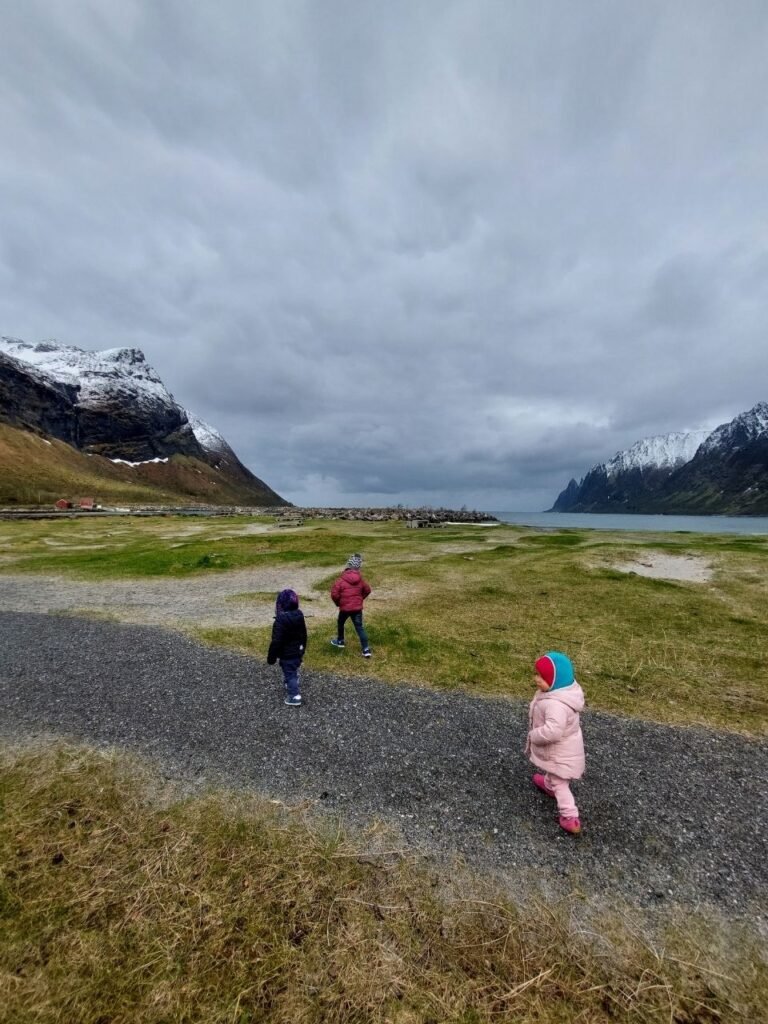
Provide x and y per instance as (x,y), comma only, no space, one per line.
(452,252)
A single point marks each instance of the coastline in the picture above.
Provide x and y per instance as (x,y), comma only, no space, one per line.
(635,522)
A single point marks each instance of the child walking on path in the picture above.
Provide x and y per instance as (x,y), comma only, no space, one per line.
(289,643)
(555,742)
(348,594)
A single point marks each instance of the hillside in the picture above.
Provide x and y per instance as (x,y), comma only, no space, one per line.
(35,470)
(103,424)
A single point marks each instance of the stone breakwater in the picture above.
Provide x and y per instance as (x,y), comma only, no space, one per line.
(426,516)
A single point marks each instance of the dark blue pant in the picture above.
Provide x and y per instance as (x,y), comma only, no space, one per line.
(357,622)
(290,667)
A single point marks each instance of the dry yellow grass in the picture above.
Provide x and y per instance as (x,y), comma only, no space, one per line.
(120,905)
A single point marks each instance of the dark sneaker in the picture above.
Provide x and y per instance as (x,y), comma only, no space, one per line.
(337,643)
(367,652)
(293,702)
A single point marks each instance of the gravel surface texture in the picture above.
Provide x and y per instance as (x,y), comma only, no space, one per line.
(671,816)
(209,600)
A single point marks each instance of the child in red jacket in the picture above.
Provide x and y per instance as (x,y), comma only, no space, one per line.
(348,593)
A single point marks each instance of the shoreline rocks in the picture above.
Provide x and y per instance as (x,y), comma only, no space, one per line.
(425,516)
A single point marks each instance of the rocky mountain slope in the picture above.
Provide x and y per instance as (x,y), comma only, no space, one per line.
(113,407)
(722,472)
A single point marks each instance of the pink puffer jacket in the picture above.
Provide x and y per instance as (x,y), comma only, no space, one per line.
(555,743)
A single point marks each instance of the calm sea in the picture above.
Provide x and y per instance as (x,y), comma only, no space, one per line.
(667,524)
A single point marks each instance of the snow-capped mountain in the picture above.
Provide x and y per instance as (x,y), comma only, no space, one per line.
(97,374)
(123,408)
(742,431)
(117,374)
(663,451)
(113,404)
(720,471)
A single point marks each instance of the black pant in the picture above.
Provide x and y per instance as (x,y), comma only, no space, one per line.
(357,622)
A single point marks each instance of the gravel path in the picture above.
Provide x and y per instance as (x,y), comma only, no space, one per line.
(672,816)
(207,600)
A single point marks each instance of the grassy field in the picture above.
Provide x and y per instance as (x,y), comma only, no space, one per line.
(472,607)
(122,904)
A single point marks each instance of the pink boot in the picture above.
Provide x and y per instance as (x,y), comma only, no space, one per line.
(540,782)
(572,825)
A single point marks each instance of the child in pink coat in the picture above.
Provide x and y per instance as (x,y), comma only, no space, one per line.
(555,743)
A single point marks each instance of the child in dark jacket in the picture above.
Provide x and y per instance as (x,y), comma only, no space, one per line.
(288,644)
(348,594)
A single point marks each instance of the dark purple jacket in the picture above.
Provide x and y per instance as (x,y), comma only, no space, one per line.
(289,636)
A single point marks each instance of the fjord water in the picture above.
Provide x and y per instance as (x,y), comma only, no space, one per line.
(665,524)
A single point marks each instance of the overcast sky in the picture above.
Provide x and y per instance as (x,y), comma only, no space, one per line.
(424,251)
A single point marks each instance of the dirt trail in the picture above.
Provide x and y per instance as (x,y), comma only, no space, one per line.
(209,600)
(671,816)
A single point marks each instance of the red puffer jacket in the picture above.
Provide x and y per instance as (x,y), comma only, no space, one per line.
(349,591)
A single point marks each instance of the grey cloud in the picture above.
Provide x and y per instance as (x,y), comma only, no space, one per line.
(447,249)
(683,295)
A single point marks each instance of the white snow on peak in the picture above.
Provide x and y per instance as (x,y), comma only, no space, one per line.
(34,371)
(746,427)
(99,374)
(208,437)
(663,451)
(116,373)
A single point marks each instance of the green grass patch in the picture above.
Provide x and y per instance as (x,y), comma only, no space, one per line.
(160,548)
(473,609)
(556,540)
(120,903)
(262,597)
(253,641)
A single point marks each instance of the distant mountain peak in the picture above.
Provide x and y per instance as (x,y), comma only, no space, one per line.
(742,430)
(662,451)
(720,471)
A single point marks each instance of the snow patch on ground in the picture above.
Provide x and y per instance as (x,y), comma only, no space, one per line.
(146,462)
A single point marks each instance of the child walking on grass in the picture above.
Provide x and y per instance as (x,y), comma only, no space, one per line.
(348,594)
(555,743)
(289,643)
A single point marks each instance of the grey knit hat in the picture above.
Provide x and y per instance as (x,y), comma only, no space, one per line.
(354,561)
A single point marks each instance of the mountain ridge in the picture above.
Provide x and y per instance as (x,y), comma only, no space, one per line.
(719,472)
(113,405)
